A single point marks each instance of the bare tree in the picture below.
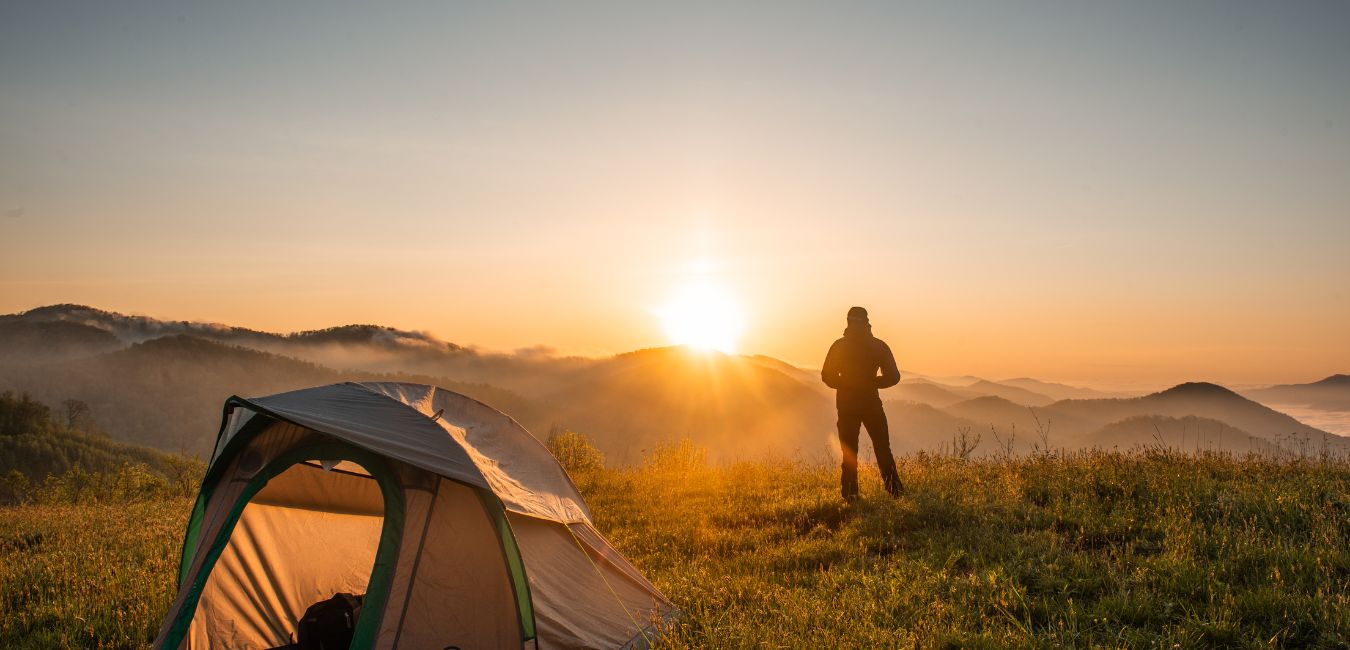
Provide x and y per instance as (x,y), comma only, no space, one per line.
(76,412)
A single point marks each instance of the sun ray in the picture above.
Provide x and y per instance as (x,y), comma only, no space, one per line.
(703,315)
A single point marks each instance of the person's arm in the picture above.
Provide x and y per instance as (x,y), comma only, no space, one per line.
(829,373)
(890,374)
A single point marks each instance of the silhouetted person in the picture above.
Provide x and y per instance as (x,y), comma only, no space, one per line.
(851,369)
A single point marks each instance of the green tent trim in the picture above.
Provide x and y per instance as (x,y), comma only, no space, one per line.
(386,554)
(334,450)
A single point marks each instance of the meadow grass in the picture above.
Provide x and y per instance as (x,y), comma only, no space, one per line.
(94,575)
(1053,550)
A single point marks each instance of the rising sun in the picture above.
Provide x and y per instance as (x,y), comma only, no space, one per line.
(703,316)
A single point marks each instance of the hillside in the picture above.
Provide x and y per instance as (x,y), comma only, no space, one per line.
(23,342)
(168,392)
(370,348)
(1026,426)
(1199,399)
(161,383)
(1057,391)
(1188,433)
(36,444)
(1011,393)
(1074,551)
(920,427)
(734,406)
(927,392)
(1330,394)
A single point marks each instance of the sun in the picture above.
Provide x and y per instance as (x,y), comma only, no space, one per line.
(704,316)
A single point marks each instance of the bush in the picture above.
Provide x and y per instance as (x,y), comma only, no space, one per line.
(130,483)
(14,488)
(574,451)
(679,457)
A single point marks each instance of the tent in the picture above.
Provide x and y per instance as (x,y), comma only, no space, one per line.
(458,526)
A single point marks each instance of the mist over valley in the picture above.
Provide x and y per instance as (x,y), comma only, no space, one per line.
(161,383)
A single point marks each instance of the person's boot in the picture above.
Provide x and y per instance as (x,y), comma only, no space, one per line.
(850,493)
(895,488)
(849,489)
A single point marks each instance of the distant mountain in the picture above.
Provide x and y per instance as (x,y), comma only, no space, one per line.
(1025,425)
(134,329)
(374,348)
(920,427)
(161,383)
(1330,394)
(1089,423)
(1024,391)
(1011,393)
(168,392)
(1189,433)
(809,378)
(927,392)
(25,342)
(1058,391)
(1200,399)
(734,406)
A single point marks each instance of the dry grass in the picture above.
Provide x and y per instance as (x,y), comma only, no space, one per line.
(1105,550)
(88,576)
(1090,550)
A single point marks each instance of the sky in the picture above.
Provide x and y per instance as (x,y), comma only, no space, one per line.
(1127,194)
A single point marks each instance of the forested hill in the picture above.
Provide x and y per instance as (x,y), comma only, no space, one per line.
(36,442)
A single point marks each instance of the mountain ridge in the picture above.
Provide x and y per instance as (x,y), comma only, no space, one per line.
(167,390)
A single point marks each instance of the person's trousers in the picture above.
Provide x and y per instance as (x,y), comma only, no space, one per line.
(874,418)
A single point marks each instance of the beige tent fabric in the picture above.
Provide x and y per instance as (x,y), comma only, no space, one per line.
(374,422)
(518,468)
(417,505)
(450,584)
(278,562)
(264,447)
(310,487)
(585,594)
(461,589)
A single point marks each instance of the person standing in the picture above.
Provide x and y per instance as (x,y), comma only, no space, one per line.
(851,369)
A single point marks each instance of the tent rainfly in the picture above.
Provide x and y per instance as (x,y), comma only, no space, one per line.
(455,524)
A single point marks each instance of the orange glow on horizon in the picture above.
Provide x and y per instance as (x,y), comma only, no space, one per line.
(703,315)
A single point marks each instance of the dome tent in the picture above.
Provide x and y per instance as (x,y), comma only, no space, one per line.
(457,525)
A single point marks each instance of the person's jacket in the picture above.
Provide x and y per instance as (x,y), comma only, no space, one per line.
(851,368)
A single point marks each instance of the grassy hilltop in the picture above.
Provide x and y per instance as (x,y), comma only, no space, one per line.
(1109,550)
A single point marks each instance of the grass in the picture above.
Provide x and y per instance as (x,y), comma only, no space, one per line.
(1055,550)
(88,576)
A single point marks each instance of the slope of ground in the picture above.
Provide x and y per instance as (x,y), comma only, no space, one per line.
(1095,550)
(34,444)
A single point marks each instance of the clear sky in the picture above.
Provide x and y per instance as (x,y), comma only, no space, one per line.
(1145,192)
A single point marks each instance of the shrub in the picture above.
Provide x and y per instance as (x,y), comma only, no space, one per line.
(14,488)
(574,451)
(680,457)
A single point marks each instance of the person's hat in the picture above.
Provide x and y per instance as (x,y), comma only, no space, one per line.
(857,313)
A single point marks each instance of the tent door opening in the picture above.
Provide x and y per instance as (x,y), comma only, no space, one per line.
(315,526)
